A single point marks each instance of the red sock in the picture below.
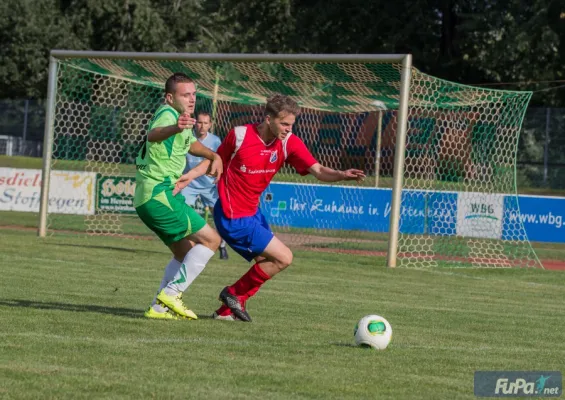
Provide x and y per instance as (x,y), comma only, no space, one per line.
(250,282)
(251,292)
(223,310)
(243,299)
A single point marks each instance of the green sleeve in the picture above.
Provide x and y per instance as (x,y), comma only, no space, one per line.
(163,118)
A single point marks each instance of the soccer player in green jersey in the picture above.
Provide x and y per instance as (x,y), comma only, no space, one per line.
(160,164)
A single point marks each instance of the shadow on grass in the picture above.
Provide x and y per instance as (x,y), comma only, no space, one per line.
(344,344)
(40,305)
(204,316)
(124,249)
(118,311)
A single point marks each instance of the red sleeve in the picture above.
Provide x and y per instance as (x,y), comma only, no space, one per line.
(298,155)
(227,147)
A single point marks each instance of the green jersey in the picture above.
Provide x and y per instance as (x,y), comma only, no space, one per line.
(160,164)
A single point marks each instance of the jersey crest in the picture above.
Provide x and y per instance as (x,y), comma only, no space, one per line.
(273,156)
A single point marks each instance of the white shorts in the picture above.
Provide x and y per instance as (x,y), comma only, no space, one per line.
(208,197)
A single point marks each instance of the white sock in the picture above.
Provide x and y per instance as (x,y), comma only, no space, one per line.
(192,265)
(223,244)
(170,271)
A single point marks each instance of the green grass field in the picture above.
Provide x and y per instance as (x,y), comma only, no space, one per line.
(71,326)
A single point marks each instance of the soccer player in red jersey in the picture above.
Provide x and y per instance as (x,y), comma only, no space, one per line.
(252,155)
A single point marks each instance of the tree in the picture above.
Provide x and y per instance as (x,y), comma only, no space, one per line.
(468,41)
(190,24)
(125,25)
(29,29)
(256,26)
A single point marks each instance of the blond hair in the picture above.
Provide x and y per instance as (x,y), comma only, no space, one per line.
(278,103)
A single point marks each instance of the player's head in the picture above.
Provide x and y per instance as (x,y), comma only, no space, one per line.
(180,93)
(203,123)
(281,112)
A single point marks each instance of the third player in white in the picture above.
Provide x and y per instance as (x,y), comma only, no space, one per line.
(203,187)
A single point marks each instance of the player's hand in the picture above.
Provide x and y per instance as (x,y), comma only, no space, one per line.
(182,182)
(216,168)
(354,175)
(185,121)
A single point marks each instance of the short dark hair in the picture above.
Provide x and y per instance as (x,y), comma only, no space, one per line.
(204,114)
(177,77)
(278,103)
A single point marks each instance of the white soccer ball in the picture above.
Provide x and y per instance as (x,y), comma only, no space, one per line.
(373,331)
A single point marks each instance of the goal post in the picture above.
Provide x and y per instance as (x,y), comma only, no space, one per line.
(47,145)
(398,172)
(440,156)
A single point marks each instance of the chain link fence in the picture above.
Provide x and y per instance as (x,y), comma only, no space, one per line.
(541,153)
(22,124)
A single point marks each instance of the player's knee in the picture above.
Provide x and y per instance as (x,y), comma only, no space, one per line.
(214,241)
(181,248)
(179,255)
(208,237)
(285,259)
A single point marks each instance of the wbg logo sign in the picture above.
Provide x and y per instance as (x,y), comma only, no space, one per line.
(480,215)
(518,384)
(481,210)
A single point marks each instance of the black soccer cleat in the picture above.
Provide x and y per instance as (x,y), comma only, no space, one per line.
(232,302)
(223,253)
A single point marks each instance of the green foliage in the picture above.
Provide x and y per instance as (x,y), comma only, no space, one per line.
(467,41)
(257,26)
(130,25)
(28,30)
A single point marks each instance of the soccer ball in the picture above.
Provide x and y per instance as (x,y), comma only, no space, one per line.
(373,331)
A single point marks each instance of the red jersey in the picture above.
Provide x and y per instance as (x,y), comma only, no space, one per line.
(250,164)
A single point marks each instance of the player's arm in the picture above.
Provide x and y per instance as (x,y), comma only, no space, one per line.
(215,165)
(303,161)
(326,174)
(199,150)
(191,175)
(161,133)
(199,170)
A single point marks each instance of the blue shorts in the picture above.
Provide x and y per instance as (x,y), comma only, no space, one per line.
(248,236)
(208,197)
